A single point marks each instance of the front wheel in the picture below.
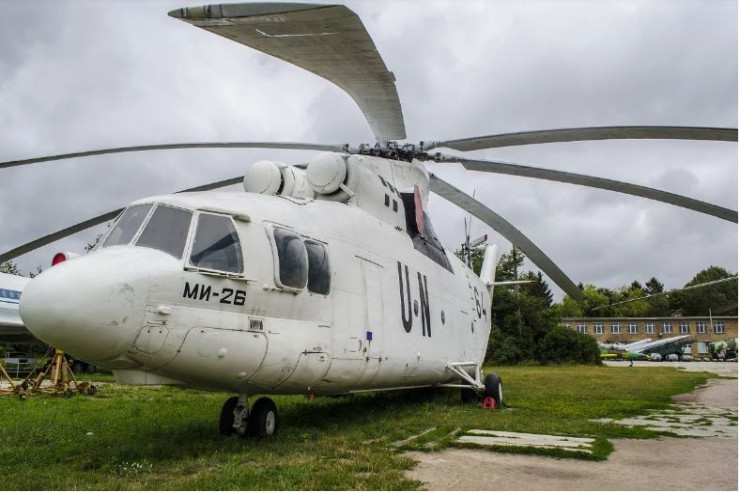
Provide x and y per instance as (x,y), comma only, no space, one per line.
(263,420)
(494,388)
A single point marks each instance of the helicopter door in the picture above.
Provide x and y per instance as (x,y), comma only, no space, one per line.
(372,277)
(357,330)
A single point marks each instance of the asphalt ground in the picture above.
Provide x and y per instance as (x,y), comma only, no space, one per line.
(661,464)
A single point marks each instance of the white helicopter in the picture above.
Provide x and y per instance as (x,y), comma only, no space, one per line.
(319,279)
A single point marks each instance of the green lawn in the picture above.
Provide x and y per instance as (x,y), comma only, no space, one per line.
(166,438)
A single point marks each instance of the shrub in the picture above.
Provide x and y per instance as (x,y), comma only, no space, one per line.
(564,345)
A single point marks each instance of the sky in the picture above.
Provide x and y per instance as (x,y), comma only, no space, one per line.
(82,75)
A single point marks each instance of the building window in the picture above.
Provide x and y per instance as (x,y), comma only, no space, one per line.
(582,328)
(616,328)
(632,328)
(719,327)
(701,327)
(667,328)
(684,326)
(567,325)
(598,329)
(701,347)
(650,328)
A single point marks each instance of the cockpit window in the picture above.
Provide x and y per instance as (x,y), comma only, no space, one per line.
(127,226)
(216,245)
(292,258)
(167,230)
(319,275)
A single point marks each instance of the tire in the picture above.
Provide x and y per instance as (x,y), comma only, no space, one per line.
(90,369)
(263,420)
(494,388)
(226,420)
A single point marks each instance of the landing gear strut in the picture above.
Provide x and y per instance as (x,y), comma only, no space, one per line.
(236,419)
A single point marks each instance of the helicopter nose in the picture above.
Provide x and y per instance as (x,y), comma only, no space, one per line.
(90,307)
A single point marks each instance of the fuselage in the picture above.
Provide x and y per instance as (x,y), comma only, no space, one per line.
(298,296)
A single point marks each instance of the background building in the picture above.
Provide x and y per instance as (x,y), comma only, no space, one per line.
(701,330)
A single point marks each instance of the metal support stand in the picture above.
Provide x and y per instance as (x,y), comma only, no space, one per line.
(63,381)
(15,389)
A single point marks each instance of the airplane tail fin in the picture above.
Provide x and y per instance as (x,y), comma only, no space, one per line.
(488,269)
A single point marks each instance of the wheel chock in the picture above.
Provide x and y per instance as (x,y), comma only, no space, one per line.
(489,403)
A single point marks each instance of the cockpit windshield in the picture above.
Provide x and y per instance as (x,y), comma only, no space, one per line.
(127,226)
(215,242)
(167,230)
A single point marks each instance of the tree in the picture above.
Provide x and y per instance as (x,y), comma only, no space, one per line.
(653,286)
(635,307)
(10,267)
(564,345)
(718,297)
(538,288)
(570,307)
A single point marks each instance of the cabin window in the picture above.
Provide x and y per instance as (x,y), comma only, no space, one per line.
(127,226)
(319,275)
(216,245)
(292,271)
(167,230)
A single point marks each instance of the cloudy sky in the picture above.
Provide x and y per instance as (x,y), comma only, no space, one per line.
(81,75)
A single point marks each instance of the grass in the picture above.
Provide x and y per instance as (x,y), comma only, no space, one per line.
(166,438)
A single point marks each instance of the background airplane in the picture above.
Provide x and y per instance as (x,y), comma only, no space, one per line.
(11,327)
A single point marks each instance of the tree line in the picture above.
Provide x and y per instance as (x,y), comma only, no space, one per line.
(525,323)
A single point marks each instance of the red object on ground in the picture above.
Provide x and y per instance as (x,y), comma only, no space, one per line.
(489,403)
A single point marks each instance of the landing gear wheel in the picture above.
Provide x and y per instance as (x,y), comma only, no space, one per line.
(226,420)
(263,420)
(92,390)
(494,388)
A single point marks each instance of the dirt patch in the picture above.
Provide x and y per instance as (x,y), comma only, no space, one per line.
(720,394)
(663,464)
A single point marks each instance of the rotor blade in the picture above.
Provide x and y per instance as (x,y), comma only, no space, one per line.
(513,169)
(587,133)
(508,231)
(89,223)
(191,145)
(327,40)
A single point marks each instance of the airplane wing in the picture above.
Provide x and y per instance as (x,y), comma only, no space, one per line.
(668,345)
(637,345)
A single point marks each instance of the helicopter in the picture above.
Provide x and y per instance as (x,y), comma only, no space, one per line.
(321,278)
